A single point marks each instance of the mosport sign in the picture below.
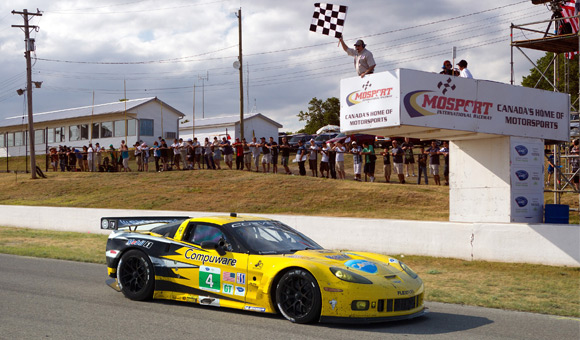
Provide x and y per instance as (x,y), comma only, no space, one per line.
(421,99)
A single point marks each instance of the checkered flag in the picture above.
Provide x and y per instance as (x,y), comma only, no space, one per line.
(328,19)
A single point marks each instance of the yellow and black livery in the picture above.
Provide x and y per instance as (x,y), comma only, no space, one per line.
(256,264)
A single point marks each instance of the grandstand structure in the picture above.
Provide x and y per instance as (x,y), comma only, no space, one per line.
(560,37)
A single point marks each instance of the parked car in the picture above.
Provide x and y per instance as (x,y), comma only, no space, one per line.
(293,141)
(323,137)
(381,141)
(282,135)
(358,137)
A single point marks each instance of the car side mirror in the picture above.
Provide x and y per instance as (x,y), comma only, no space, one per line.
(218,246)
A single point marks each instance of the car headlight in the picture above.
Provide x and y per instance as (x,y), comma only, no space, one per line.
(347,275)
(408,270)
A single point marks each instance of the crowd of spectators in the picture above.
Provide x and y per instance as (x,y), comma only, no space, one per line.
(259,155)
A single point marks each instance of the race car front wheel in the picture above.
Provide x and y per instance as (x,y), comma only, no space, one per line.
(135,275)
(298,296)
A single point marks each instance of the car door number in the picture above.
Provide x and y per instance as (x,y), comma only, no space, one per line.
(210,278)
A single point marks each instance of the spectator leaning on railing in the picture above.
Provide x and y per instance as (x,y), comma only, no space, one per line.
(95,158)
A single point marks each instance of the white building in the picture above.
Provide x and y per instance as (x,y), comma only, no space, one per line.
(107,124)
(255,124)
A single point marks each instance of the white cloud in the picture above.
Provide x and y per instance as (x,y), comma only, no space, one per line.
(285,73)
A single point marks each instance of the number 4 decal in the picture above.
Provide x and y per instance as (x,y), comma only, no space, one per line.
(209,278)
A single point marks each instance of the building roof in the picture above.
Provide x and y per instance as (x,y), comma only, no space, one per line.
(226,120)
(100,109)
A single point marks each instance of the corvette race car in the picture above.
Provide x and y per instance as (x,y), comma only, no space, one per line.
(259,265)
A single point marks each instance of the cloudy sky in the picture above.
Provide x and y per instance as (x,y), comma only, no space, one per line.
(164,48)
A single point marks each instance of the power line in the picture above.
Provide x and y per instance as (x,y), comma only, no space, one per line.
(340,67)
(77,11)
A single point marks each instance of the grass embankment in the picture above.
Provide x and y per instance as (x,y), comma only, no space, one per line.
(237,191)
(522,287)
(227,191)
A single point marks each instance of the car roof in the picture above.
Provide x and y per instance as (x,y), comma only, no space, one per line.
(225,219)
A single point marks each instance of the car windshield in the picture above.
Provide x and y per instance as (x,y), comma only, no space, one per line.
(322,138)
(342,134)
(295,139)
(271,237)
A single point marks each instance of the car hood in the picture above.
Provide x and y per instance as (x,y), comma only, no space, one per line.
(366,264)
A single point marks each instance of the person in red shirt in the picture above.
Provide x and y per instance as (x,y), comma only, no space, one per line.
(239,154)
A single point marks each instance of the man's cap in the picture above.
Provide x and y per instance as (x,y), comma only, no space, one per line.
(359,43)
(353,142)
(462,63)
(190,140)
(111,145)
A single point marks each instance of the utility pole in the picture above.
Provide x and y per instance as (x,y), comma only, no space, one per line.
(29,48)
(193,120)
(203,79)
(239,15)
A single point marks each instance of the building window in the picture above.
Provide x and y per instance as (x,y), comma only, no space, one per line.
(119,128)
(106,129)
(131,127)
(95,131)
(9,139)
(50,135)
(146,127)
(2,140)
(59,134)
(74,133)
(39,136)
(18,139)
(78,132)
(170,135)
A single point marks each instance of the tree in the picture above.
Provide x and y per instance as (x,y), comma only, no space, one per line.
(320,113)
(543,63)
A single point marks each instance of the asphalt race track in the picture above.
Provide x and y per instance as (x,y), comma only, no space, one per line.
(51,299)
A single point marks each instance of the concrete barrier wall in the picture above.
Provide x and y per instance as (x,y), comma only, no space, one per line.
(548,244)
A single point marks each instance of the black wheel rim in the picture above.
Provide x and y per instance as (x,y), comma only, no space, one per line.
(297,297)
(134,274)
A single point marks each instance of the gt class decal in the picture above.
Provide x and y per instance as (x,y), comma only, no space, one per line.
(228,289)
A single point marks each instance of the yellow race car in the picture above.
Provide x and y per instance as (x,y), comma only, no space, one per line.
(259,265)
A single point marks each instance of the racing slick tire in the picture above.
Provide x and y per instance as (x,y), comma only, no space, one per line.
(298,296)
(135,275)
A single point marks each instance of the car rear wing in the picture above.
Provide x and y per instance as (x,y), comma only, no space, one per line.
(115,223)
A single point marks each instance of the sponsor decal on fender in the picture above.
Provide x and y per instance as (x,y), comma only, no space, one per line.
(255,309)
(362,265)
(191,255)
(140,243)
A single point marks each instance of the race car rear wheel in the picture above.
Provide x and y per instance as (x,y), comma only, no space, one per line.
(298,296)
(135,275)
